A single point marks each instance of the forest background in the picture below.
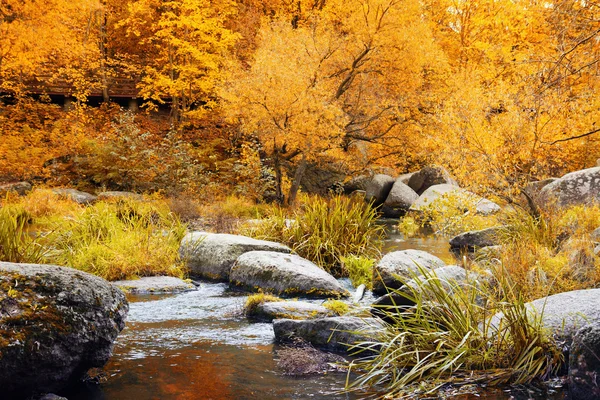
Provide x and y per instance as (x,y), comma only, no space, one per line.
(253,97)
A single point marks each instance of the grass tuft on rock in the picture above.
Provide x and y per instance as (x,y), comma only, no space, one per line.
(253,301)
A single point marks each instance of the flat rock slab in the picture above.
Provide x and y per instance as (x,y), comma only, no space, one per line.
(55,324)
(397,267)
(155,285)
(211,255)
(289,309)
(76,195)
(283,274)
(21,188)
(474,240)
(333,334)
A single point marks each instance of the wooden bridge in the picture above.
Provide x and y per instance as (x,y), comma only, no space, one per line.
(116,87)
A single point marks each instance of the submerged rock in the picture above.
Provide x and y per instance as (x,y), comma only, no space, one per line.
(473,240)
(579,187)
(269,311)
(283,274)
(378,188)
(155,285)
(55,324)
(397,267)
(211,255)
(76,195)
(333,334)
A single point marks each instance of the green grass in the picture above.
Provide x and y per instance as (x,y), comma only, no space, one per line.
(253,301)
(16,244)
(359,270)
(451,338)
(325,230)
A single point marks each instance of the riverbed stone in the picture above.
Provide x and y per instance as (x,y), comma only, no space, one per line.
(211,255)
(584,363)
(579,187)
(399,200)
(76,195)
(55,324)
(155,285)
(283,274)
(397,267)
(268,311)
(356,183)
(378,188)
(336,334)
(21,188)
(473,240)
(117,195)
(422,180)
(434,193)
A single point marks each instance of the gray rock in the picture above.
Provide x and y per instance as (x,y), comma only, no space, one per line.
(595,235)
(115,195)
(332,334)
(475,239)
(397,267)
(76,195)
(378,188)
(488,252)
(356,183)
(579,187)
(283,274)
(360,293)
(155,285)
(533,189)
(211,255)
(584,364)
(269,311)
(405,178)
(429,176)
(21,188)
(399,200)
(52,396)
(55,324)
(434,193)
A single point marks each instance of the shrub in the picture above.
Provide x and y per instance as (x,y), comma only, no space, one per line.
(325,230)
(450,336)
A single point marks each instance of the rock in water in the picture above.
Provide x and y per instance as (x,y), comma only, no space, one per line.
(333,334)
(397,267)
(55,324)
(211,255)
(289,309)
(378,188)
(283,274)
(473,240)
(399,200)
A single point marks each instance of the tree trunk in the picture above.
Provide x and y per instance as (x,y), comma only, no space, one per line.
(300,170)
(278,176)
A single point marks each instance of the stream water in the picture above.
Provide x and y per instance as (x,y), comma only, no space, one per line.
(196,345)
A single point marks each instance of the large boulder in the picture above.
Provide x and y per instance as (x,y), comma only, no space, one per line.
(467,199)
(356,183)
(332,334)
(55,324)
(76,195)
(283,274)
(397,267)
(473,240)
(399,200)
(211,255)
(21,188)
(268,311)
(579,187)
(422,180)
(378,188)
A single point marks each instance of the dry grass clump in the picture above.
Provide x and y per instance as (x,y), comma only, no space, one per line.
(553,252)
(253,301)
(115,240)
(450,336)
(324,231)
(303,359)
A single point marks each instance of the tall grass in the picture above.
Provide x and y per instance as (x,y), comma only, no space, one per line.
(325,230)
(114,240)
(451,336)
